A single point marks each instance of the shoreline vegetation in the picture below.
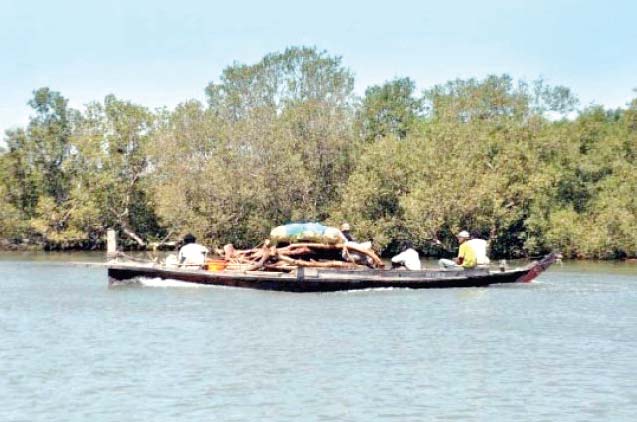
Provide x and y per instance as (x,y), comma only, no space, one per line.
(286,139)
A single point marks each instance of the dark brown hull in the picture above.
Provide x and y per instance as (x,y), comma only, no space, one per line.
(324,280)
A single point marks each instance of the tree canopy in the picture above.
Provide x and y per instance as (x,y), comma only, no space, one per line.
(286,139)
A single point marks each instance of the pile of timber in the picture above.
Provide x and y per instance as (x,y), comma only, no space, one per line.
(271,258)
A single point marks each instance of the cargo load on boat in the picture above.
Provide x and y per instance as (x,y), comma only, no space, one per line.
(306,232)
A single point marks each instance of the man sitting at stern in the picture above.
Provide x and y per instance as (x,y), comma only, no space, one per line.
(479,247)
(466,258)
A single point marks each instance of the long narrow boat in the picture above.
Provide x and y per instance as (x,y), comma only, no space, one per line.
(330,280)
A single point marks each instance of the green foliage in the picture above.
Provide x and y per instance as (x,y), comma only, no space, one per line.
(285,140)
(487,159)
(274,146)
(35,157)
(297,75)
(70,175)
(496,97)
(371,198)
(588,209)
(389,110)
(11,223)
(110,164)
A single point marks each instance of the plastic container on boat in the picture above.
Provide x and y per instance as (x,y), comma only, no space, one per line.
(216,264)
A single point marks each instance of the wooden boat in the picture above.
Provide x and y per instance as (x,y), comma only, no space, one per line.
(330,280)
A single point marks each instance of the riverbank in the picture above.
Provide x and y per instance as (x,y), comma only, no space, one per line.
(37,244)
(19,245)
(38,247)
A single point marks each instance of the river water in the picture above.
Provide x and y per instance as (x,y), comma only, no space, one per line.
(563,348)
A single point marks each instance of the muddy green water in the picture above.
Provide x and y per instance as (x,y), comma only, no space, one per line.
(561,349)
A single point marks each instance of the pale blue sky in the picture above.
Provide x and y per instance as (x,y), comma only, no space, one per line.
(157,52)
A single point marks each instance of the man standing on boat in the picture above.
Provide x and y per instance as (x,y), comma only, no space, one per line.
(191,253)
(466,258)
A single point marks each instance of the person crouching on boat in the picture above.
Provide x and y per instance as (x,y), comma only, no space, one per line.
(348,239)
(192,254)
(466,258)
(408,258)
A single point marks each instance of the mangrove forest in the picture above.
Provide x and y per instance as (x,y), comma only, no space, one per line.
(287,139)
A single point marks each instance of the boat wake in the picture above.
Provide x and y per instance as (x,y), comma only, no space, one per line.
(159,282)
(371,289)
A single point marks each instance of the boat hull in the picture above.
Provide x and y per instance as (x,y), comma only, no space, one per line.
(330,280)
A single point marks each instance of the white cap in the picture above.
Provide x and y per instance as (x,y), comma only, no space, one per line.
(345,227)
(463,234)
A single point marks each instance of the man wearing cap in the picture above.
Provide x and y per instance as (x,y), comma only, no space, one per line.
(466,255)
(345,229)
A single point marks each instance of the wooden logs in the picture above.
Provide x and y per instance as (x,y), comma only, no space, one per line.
(287,258)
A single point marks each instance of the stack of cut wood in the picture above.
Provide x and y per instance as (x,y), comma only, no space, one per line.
(287,258)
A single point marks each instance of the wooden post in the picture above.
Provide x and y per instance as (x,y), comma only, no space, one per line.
(503,265)
(111,243)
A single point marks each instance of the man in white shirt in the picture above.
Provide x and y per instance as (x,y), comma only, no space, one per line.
(480,247)
(408,258)
(192,254)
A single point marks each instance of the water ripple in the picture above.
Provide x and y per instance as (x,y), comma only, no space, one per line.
(564,348)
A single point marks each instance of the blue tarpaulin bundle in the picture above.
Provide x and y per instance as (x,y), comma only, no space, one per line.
(305,232)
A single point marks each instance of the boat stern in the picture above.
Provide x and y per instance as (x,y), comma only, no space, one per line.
(538,268)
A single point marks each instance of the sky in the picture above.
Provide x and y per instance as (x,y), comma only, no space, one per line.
(161,53)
